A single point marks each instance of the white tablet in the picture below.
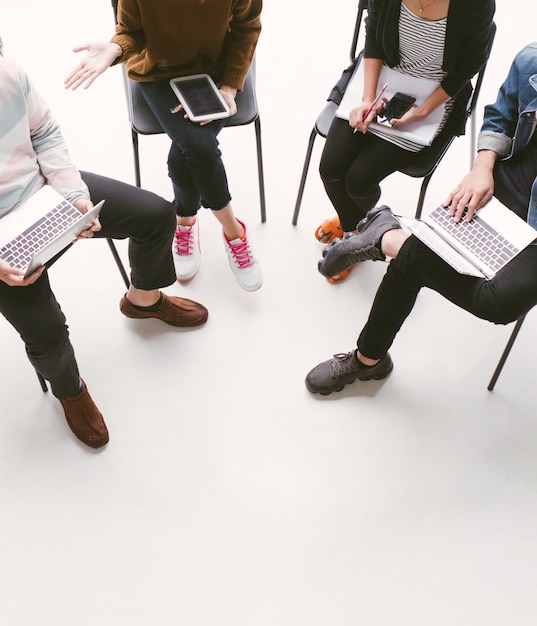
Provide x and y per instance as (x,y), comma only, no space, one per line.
(200,97)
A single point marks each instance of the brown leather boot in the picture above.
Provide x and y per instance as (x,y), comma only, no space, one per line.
(173,310)
(85,419)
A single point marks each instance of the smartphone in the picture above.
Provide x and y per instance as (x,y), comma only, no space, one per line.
(396,107)
(200,97)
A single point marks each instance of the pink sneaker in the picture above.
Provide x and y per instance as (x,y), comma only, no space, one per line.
(243,264)
(186,251)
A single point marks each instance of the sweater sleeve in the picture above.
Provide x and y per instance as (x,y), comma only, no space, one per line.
(129,34)
(51,150)
(241,41)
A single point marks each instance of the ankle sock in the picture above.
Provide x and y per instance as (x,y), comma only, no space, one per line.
(153,307)
(240,237)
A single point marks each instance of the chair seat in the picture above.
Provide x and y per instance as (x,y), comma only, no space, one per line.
(324,121)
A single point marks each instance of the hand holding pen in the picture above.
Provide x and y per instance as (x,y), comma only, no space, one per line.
(373,105)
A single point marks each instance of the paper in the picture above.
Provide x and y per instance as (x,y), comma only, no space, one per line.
(422,132)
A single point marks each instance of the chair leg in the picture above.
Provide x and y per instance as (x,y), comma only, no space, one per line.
(119,263)
(260,170)
(42,382)
(136,154)
(505,353)
(304,175)
(423,191)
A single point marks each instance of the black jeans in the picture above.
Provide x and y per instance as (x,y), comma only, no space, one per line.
(195,163)
(128,212)
(352,166)
(510,294)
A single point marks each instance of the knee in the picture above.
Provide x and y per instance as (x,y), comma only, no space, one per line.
(329,170)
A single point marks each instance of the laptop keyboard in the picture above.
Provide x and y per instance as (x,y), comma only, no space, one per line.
(478,237)
(19,251)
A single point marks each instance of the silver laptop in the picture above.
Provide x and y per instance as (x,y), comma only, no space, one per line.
(40,227)
(477,248)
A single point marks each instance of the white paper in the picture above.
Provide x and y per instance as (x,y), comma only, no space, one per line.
(422,132)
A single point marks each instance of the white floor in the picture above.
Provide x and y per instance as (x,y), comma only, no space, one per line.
(228,495)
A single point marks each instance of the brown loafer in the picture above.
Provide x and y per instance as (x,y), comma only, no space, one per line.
(85,419)
(172,310)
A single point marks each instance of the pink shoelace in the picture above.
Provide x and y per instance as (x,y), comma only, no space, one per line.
(242,254)
(184,241)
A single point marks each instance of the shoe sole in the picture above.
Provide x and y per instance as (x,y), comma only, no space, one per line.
(363,378)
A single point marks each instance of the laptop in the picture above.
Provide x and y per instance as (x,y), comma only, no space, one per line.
(40,227)
(477,248)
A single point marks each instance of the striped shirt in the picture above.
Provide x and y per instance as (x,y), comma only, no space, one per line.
(32,149)
(421,51)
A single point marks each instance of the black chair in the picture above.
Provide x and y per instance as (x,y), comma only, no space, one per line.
(143,121)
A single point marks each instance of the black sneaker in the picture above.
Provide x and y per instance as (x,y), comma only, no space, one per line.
(334,374)
(365,246)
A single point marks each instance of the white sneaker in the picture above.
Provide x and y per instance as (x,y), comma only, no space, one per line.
(243,264)
(186,251)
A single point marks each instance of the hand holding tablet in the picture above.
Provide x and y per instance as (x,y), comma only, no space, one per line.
(200,97)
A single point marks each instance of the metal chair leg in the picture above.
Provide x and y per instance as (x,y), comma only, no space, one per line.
(304,175)
(506,352)
(260,170)
(42,382)
(119,263)
(136,154)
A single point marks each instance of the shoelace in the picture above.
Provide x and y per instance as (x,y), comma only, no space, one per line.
(343,364)
(242,254)
(184,241)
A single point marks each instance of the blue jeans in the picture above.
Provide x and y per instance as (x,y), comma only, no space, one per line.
(195,163)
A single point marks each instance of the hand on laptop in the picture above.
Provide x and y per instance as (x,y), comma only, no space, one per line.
(84,205)
(15,278)
(475,189)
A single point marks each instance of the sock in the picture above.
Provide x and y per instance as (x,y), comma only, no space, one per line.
(153,307)
(240,237)
(361,363)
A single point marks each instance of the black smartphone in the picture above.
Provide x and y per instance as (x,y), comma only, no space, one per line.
(396,107)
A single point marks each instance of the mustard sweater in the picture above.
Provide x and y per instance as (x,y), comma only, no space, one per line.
(161,39)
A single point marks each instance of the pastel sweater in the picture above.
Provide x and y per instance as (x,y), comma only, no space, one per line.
(32,149)
(161,39)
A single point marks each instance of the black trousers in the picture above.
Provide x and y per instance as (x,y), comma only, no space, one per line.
(148,221)
(352,166)
(510,294)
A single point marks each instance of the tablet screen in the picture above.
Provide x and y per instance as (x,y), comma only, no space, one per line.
(199,96)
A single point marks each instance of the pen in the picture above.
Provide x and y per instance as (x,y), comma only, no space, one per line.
(374,102)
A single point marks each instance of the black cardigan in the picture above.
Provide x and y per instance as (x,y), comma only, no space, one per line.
(469,36)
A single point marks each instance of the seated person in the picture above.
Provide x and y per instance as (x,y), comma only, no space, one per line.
(505,166)
(447,42)
(33,154)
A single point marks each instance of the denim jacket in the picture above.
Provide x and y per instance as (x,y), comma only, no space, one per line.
(510,122)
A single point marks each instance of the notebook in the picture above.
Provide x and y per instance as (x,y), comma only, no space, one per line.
(40,227)
(422,132)
(477,248)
